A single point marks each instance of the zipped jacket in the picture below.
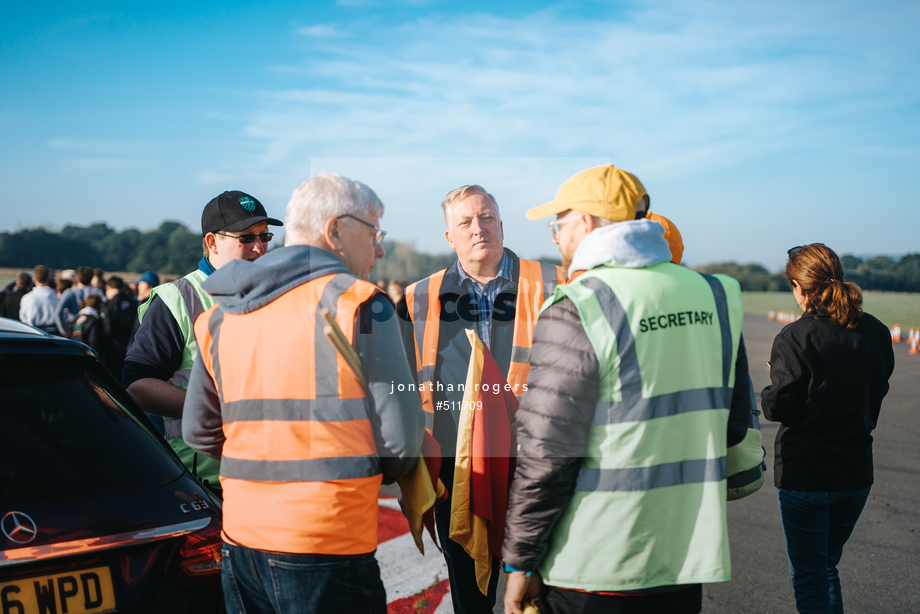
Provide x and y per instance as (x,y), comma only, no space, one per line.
(827,386)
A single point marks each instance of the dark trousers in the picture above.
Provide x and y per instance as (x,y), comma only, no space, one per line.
(563,601)
(464,592)
(257,582)
(816,525)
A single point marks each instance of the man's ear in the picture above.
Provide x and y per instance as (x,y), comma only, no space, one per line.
(450,239)
(331,233)
(211,240)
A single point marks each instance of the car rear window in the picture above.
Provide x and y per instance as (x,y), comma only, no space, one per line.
(65,434)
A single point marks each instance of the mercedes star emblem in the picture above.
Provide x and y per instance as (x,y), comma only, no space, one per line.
(18,527)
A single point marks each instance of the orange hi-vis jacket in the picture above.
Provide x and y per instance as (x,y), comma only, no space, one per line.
(300,468)
(535,283)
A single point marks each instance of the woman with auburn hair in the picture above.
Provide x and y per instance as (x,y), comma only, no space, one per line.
(829,371)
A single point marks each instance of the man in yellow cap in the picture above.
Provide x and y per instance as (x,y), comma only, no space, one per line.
(638,371)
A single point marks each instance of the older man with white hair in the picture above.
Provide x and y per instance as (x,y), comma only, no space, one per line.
(303,444)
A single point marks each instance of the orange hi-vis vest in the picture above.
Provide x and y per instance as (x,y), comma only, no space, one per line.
(536,282)
(299,468)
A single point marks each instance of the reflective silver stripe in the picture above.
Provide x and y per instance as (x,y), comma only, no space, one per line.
(190,297)
(718,291)
(634,407)
(307,470)
(216,319)
(325,409)
(745,478)
(426,374)
(23,556)
(549,279)
(429,420)
(647,478)
(325,361)
(685,401)
(630,377)
(180,378)
(420,317)
(520,354)
(172,428)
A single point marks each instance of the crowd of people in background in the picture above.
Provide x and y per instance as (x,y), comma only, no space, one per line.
(83,304)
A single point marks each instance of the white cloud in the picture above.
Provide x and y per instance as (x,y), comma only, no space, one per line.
(321,31)
(692,96)
(690,83)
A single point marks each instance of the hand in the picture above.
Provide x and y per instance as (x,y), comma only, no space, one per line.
(520,588)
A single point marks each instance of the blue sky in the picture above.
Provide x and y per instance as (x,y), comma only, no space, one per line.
(754,126)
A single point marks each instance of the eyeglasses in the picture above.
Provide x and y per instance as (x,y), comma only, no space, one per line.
(249,237)
(795,250)
(554,227)
(378,238)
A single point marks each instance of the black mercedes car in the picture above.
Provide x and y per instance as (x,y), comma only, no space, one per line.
(96,511)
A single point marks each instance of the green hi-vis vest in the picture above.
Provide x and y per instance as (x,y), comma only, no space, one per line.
(649,503)
(186,301)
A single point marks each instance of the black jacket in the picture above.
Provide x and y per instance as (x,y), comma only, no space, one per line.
(118,315)
(9,303)
(827,389)
(88,329)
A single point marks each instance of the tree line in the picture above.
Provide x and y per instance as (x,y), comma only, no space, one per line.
(170,248)
(877,273)
(174,249)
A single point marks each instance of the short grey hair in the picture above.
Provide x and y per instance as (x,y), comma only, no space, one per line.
(462,192)
(321,197)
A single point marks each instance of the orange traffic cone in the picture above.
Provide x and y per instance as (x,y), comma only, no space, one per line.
(896,333)
(771,316)
(913,351)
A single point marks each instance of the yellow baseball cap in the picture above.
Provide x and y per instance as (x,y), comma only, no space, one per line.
(603,191)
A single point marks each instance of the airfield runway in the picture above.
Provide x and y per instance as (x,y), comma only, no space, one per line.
(880,569)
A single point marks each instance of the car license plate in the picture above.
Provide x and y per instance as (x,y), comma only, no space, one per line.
(87,591)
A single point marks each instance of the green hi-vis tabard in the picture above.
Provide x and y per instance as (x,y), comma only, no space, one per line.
(186,300)
(649,502)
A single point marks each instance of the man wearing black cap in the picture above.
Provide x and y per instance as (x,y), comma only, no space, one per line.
(235,227)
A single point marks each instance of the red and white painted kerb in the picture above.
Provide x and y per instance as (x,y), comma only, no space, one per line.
(414,583)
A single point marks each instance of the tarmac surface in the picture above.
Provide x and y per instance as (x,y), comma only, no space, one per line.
(880,568)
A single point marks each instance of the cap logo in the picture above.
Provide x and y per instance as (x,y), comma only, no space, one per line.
(248,204)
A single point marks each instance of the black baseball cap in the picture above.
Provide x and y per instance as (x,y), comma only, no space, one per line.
(232,212)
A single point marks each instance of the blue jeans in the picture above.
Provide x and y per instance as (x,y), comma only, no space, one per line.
(256,581)
(816,525)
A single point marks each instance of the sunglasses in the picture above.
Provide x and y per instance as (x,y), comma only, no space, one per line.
(249,237)
(795,250)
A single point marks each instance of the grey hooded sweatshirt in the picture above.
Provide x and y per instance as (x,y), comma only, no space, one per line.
(242,287)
